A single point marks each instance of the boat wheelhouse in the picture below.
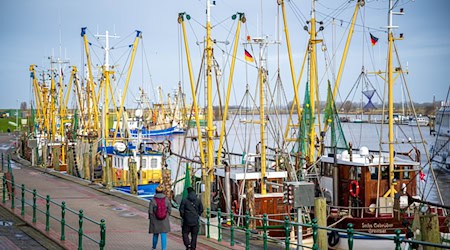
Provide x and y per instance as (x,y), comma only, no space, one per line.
(151,169)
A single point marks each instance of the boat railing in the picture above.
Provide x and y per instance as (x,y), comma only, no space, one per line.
(341,211)
(47,214)
(225,227)
(380,211)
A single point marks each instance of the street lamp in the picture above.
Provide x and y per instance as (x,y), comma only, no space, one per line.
(17,115)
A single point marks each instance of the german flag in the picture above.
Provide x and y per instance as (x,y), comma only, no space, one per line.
(373,39)
(248,56)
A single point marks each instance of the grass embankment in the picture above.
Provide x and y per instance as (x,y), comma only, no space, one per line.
(4,125)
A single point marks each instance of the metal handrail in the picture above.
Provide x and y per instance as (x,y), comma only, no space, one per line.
(48,201)
(288,225)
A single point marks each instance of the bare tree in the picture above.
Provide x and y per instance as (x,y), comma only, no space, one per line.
(23,106)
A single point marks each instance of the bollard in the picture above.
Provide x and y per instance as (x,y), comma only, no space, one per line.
(63,220)
(102,234)
(314,228)
(34,205)
(350,236)
(22,210)
(265,231)
(47,213)
(207,223)
(286,232)
(219,231)
(80,230)
(397,240)
(4,189)
(232,229)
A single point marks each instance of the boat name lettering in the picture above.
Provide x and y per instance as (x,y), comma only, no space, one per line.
(377,225)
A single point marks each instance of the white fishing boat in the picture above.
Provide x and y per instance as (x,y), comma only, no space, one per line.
(422,121)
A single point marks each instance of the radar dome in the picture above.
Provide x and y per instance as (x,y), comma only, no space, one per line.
(364,151)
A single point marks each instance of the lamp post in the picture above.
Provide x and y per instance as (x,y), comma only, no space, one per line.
(17,115)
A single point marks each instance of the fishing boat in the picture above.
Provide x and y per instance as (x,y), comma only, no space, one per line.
(419,121)
(377,192)
(236,180)
(440,150)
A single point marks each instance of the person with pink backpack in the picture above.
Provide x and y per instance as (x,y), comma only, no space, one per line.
(159,210)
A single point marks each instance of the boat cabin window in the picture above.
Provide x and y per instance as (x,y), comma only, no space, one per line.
(384,173)
(373,173)
(355,173)
(406,173)
(327,169)
(154,163)
(144,163)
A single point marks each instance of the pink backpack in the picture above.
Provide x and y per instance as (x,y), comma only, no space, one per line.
(161,208)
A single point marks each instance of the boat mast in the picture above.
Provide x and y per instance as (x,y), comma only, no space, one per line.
(313,82)
(391,192)
(208,178)
(107,72)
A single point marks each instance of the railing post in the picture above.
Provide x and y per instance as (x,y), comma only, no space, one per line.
(34,205)
(286,232)
(314,228)
(22,210)
(3,164)
(231,229)
(80,230)
(102,234)
(397,240)
(247,219)
(47,213)
(219,223)
(265,231)
(13,190)
(63,220)
(350,236)
(207,223)
(247,239)
(9,165)
(4,189)
(247,231)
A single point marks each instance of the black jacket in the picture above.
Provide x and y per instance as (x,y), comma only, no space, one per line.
(190,210)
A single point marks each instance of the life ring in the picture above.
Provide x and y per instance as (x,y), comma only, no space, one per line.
(354,188)
(333,238)
(118,174)
(235,207)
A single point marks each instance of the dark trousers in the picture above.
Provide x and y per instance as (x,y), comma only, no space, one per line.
(193,230)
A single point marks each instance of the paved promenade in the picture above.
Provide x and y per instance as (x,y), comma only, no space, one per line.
(126,217)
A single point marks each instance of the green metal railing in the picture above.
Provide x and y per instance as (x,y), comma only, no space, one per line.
(287,225)
(61,220)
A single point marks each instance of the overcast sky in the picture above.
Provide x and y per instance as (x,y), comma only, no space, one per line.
(31,31)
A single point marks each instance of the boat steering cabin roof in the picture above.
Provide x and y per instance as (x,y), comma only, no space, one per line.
(371,160)
(240,174)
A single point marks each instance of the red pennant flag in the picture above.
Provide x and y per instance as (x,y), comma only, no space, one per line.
(421,176)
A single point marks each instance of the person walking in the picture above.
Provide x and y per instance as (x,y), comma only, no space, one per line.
(190,210)
(159,210)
